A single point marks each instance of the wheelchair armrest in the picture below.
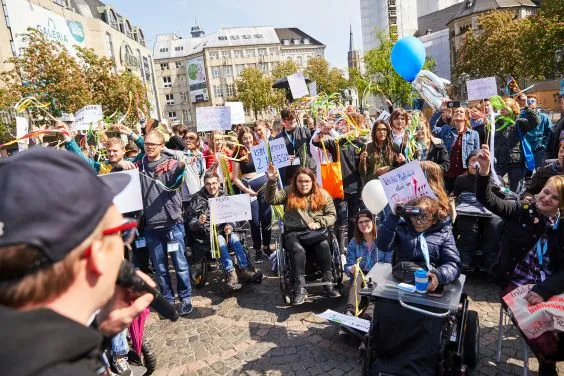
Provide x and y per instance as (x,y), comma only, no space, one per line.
(423,311)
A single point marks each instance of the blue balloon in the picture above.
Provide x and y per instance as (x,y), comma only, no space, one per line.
(408,57)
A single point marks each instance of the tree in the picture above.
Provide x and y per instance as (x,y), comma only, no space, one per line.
(361,83)
(254,89)
(283,69)
(382,76)
(329,80)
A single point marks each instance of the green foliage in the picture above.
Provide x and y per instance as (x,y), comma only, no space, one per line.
(284,68)
(329,80)
(254,90)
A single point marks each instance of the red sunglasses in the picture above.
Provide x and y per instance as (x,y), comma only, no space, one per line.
(127,230)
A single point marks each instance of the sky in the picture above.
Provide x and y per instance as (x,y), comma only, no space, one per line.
(325,20)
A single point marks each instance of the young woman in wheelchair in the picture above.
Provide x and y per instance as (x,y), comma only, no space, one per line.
(308,210)
(531,250)
(199,231)
(362,246)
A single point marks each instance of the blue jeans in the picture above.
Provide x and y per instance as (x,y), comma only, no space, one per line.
(261,213)
(157,243)
(237,247)
(119,344)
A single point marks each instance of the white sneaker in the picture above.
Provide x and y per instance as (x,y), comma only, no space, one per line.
(121,366)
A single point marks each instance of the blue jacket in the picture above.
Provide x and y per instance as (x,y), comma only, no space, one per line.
(449,134)
(369,256)
(399,235)
(539,136)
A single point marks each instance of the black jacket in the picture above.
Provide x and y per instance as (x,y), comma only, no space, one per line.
(198,205)
(438,153)
(43,343)
(554,142)
(507,141)
(541,176)
(300,148)
(521,235)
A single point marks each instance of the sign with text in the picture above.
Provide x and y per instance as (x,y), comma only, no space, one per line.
(260,157)
(213,119)
(130,199)
(350,321)
(481,88)
(384,115)
(312,88)
(298,85)
(87,117)
(279,153)
(405,183)
(22,128)
(534,320)
(237,112)
(225,209)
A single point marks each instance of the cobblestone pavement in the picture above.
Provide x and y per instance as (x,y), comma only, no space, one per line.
(251,332)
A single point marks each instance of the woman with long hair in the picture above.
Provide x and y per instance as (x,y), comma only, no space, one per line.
(434,175)
(398,122)
(430,148)
(379,155)
(249,181)
(308,207)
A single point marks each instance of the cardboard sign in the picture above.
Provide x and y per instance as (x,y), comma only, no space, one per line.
(237,112)
(481,88)
(260,157)
(213,119)
(350,321)
(22,128)
(312,88)
(130,199)
(87,117)
(384,115)
(298,85)
(534,320)
(405,183)
(225,209)
(279,153)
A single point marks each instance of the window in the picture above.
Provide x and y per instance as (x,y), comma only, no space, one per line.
(186,116)
(214,55)
(296,41)
(215,72)
(273,51)
(178,48)
(163,50)
(234,37)
(140,37)
(167,81)
(217,92)
(238,69)
(228,71)
(184,96)
(169,99)
(109,46)
(258,36)
(226,54)
(230,90)
(250,53)
(222,37)
(238,53)
(299,61)
(246,36)
(306,40)
(263,67)
(62,3)
(182,79)
(172,115)
(179,64)
(286,42)
(112,19)
(164,66)
(262,51)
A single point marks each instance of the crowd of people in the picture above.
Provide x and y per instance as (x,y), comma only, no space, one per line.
(474,221)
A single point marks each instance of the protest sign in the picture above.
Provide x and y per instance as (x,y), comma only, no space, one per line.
(405,183)
(213,119)
(22,128)
(234,208)
(237,112)
(350,321)
(65,116)
(312,88)
(87,117)
(481,88)
(534,320)
(130,199)
(384,115)
(298,85)
(260,157)
(279,153)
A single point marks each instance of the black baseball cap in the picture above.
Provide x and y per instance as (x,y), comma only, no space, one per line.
(52,200)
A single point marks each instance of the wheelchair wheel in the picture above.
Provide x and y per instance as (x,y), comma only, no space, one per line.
(472,339)
(199,272)
(149,358)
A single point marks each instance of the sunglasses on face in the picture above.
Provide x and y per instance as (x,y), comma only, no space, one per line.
(127,230)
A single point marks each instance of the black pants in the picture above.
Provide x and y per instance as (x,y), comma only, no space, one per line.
(347,210)
(321,251)
(478,234)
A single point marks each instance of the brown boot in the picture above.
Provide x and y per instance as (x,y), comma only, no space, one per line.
(246,275)
(232,280)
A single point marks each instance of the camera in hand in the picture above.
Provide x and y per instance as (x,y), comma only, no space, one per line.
(453,104)
(408,211)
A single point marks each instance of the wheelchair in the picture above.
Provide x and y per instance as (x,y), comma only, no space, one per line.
(443,342)
(313,273)
(201,262)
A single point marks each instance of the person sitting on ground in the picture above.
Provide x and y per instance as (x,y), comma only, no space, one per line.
(308,207)
(200,228)
(363,246)
(531,251)
(541,176)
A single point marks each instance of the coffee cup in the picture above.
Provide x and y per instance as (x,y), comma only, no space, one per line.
(421,281)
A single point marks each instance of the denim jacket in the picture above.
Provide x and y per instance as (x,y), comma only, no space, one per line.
(449,134)
(369,256)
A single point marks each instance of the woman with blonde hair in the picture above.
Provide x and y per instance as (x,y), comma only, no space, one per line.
(430,148)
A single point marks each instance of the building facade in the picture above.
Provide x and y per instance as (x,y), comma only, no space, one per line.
(86,23)
(202,70)
(424,7)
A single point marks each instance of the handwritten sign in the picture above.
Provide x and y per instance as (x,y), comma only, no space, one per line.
(130,199)
(481,88)
(350,321)
(213,119)
(534,320)
(279,153)
(87,117)
(237,112)
(298,85)
(260,157)
(405,183)
(226,209)
(384,115)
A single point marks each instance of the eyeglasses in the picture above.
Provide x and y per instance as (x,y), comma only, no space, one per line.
(150,145)
(381,130)
(127,230)
(364,223)
(421,219)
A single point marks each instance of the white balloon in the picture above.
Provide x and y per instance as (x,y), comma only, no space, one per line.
(374,197)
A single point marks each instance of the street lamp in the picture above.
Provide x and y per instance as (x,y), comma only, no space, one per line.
(558,57)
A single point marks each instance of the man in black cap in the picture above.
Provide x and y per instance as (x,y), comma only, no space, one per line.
(61,246)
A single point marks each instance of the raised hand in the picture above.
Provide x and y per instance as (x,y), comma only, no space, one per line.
(484,160)
(272,172)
